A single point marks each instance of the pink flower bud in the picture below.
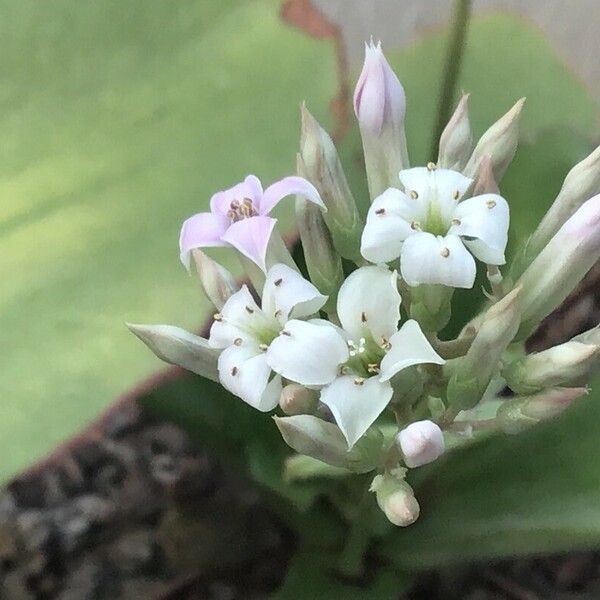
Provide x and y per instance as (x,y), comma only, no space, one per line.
(380,104)
(379,96)
(421,443)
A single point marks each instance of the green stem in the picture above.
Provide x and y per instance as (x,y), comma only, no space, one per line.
(351,561)
(456,46)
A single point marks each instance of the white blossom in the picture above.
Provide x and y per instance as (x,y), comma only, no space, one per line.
(245,331)
(355,362)
(433,231)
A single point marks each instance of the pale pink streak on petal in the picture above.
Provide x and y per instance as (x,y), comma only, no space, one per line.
(251,238)
(286,187)
(200,231)
(250,188)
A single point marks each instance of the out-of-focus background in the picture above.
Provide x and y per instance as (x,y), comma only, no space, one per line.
(120,119)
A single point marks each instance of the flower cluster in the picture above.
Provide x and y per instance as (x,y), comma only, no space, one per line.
(348,350)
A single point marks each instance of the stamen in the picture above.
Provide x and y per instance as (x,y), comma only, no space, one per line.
(234,205)
(414,195)
(284,332)
(456,194)
(343,370)
(490,204)
(231,215)
(218,317)
(352,352)
(237,342)
(278,313)
(263,347)
(415,226)
(456,221)
(249,310)
(445,252)
(431,166)
(277,282)
(373,368)
(359,381)
(380,211)
(363,316)
(234,371)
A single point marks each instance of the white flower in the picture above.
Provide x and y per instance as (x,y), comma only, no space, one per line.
(421,443)
(432,231)
(354,363)
(246,330)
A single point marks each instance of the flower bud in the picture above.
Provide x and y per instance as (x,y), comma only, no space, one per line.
(499,142)
(517,415)
(581,183)
(320,164)
(567,364)
(218,283)
(472,373)
(484,180)
(396,499)
(456,141)
(421,442)
(309,435)
(561,265)
(298,400)
(380,105)
(179,347)
(322,261)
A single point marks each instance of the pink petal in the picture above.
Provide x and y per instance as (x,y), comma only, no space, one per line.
(286,187)
(200,231)
(251,238)
(369,94)
(249,188)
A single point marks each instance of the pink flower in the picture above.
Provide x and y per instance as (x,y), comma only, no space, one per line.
(238,217)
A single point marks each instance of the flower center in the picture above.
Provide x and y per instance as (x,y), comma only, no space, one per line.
(239,210)
(365,357)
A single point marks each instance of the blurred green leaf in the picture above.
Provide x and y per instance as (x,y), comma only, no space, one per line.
(118,120)
(510,495)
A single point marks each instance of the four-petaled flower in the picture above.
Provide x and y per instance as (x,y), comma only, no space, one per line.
(432,230)
(238,217)
(246,332)
(353,364)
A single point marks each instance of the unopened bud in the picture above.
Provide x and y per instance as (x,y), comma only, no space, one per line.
(322,260)
(472,373)
(320,164)
(561,265)
(581,183)
(567,364)
(380,105)
(309,435)
(517,415)
(421,442)
(456,141)
(396,499)
(499,142)
(298,400)
(217,282)
(484,180)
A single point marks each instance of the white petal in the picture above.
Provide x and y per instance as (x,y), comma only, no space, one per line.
(286,294)
(484,218)
(427,258)
(409,347)
(240,318)
(356,406)
(243,370)
(421,443)
(369,301)
(419,180)
(450,185)
(389,224)
(308,353)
